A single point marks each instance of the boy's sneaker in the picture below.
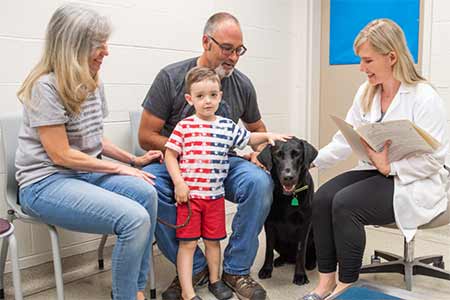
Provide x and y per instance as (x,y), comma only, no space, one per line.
(220,290)
(245,287)
(173,292)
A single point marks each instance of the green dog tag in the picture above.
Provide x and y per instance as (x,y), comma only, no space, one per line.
(294,201)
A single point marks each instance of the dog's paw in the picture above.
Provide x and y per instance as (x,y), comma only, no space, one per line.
(278,262)
(300,279)
(265,273)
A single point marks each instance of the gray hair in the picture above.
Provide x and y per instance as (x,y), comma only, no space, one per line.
(72,34)
(216,19)
(77,27)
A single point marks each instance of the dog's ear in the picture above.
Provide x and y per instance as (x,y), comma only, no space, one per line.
(265,157)
(309,152)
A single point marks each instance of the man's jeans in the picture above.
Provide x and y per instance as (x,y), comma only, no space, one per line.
(248,186)
(103,204)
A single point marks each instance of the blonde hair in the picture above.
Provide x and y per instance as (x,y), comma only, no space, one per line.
(198,74)
(72,34)
(385,36)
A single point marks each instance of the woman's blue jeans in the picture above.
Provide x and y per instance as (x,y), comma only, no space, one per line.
(248,186)
(103,204)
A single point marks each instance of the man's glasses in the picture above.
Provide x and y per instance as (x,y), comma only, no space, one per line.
(228,49)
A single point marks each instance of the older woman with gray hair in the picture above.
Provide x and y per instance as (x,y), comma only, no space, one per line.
(62,179)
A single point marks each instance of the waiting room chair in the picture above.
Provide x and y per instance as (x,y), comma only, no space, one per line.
(9,131)
(432,265)
(7,236)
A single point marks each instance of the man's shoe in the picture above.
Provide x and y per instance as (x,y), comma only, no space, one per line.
(173,292)
(220,290)
(245,287)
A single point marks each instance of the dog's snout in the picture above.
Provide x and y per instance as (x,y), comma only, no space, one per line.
(288,177)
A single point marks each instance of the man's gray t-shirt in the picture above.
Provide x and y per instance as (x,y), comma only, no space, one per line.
(165,99)
(84,131)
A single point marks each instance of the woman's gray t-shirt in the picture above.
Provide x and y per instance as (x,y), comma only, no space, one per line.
(84,131)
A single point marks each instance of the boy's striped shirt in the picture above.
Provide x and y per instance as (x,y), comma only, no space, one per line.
(203,148)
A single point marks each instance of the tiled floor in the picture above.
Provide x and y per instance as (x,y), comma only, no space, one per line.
(93,284)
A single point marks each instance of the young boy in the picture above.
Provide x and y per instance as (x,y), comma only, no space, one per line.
(202,142)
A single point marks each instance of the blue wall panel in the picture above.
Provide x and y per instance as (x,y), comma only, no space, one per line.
(348,17)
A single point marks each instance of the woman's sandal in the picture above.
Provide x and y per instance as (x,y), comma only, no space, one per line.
(315,296)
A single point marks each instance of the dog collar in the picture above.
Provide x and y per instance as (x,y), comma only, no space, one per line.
(294,201)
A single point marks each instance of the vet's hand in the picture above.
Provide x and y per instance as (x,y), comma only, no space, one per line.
(252,157)
(379,159)
(272,137)
(181,192)
(130,171)
(149,157)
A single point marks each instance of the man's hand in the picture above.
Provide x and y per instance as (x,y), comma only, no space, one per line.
(149,157)
(253,158)
(379,159)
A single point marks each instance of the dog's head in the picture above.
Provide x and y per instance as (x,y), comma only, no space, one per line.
(288,161)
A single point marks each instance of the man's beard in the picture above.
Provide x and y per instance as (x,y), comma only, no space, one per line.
(222,73)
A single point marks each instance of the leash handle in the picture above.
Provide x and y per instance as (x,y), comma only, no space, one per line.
(179,225)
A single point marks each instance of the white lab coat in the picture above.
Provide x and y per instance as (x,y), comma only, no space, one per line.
(420,181)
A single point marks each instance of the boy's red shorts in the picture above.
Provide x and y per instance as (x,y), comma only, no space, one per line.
(207,220)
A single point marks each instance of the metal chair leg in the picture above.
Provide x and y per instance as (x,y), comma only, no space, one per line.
(101,246)
(15,267)
(152,276)
(57,262)
(3,255)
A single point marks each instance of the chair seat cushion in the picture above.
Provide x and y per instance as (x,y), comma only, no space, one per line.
(4,226)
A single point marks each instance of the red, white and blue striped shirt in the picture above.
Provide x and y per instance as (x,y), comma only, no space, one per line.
(203,153)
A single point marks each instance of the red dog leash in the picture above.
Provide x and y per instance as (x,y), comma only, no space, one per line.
(179,225)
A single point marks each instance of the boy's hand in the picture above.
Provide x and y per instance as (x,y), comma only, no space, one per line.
(181,192)
(272,137)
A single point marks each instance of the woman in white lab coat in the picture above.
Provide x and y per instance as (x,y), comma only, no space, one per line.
(411,191)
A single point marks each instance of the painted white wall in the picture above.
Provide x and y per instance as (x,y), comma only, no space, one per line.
(147,36)
(436,46)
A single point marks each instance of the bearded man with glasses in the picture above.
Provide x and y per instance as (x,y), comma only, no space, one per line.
(247,184)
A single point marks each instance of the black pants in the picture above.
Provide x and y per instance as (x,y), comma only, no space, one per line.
(341,208)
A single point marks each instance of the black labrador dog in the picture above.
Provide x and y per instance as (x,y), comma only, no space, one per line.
(288,226)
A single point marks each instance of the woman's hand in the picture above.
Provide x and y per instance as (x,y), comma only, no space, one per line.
(149,157)
(379,159)
(181,192)
(130,171)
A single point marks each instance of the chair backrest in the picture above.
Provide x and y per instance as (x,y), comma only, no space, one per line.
(135,119)
(9,131)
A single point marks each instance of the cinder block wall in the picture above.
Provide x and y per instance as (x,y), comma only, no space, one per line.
(437,63)
(147,36)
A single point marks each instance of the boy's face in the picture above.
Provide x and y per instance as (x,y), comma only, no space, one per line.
(205,97)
